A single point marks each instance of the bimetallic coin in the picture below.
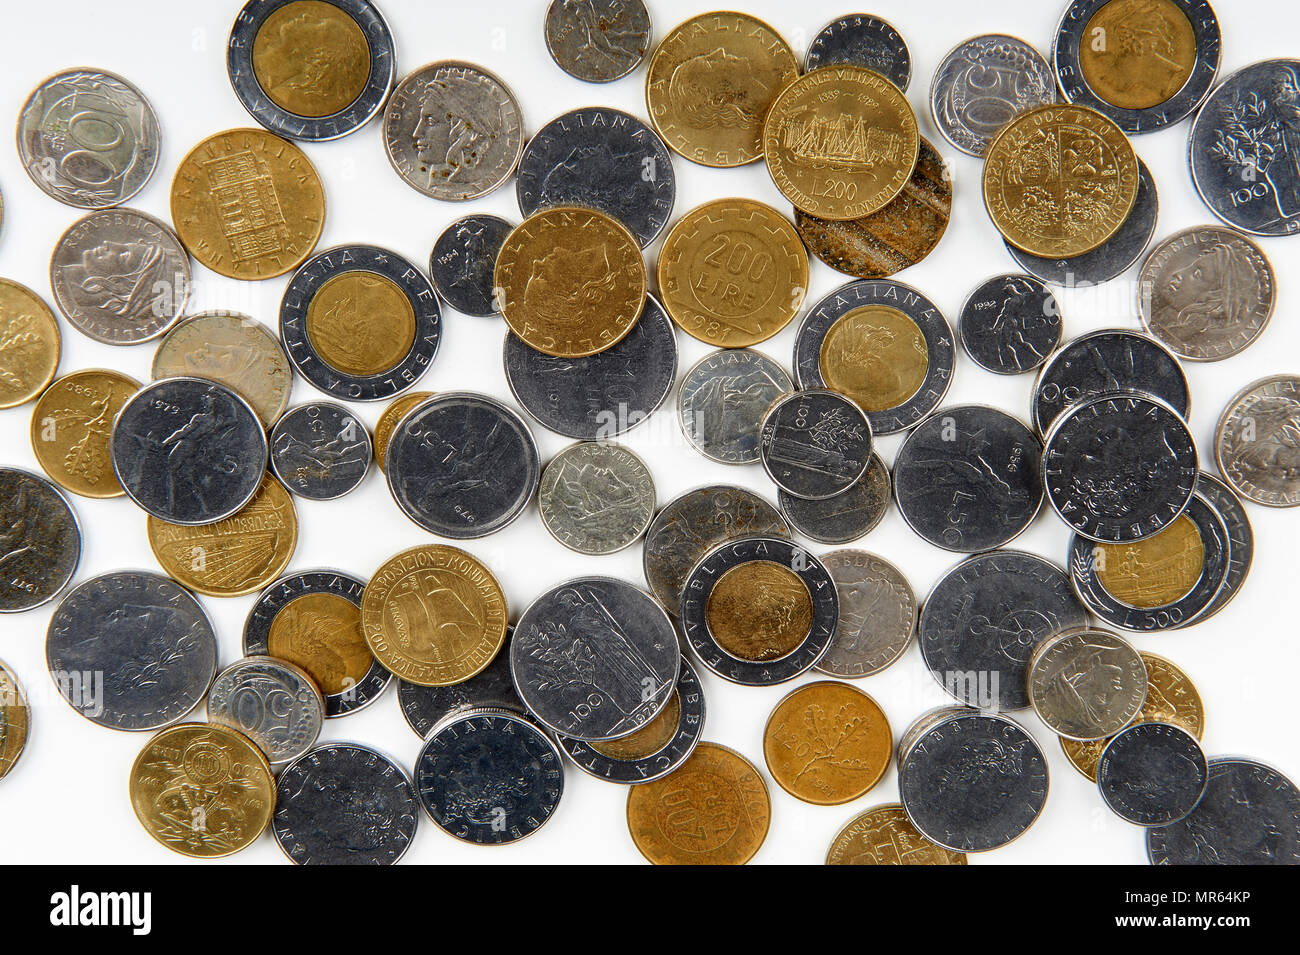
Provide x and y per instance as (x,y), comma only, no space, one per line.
(722,399)
(1010,324)
(464,259)
(1152,774)
(877,614)
(88,138)
(344,804)
(885,836)
(15,719)
(983,84)
(272,702)
(815,444)
(597,40)
(320,450)
(596,498)
(1086,684)
(859,39)
(492,688)
(72,423)
(30,344)
(1241,539)
(846,516)
(40,540)
(131,650)
(389,418)
(1255,444)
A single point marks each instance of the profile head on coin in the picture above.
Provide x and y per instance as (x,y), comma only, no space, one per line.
(722,400)
(1152,774)
(1255,441)
(596,497)
(1086,684)
(877,614)
(41,540)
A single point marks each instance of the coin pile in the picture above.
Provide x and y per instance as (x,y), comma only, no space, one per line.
(599,672)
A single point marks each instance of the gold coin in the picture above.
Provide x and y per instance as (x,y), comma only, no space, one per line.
(15,719)
(248,204)
(1059,180)
(72,422)
(733,272)
(434,615)
(885,836)
(570,282)
(841,142)
(649,739)
(710,83)
(712,810)
(235,556)
(1171,698)
(361,323)
(310,58)
(321,633)
(1156,570)
(1137,54)
(29,344)
(396,410)
(202,790)
(827,743)
(759,610)
(875,355)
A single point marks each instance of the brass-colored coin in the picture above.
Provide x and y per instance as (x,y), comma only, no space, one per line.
(1154,571)
(15,719)
(434,615)
(321,633)
(72,422)
(875,355)
(570,282)
(310,58)
(841,142)
(733,272)
(236,556)
(361,323)
(248,204)
(827,743)
(712,810)
(710,83)
(885,836)
(1059,180)
(1171,698)
(759,610)
(202,790)
(396,410)
(1137,54)
(649,739)
(29,344)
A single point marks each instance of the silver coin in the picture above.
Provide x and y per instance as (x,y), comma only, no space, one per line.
(859,39)
(88,138)
(320,450)
(844,517)
(1255,441)
(492,688)
(463,261)
(1086,684)
(453,130)
(40,540)
(722,399)
(596,498)
(597,40)
(595,658)
(272,702)
(131,650)
(983,84)
(1241,539)
(815,444)
(1152,774)
(1010,324)
(877,614)
(188,450)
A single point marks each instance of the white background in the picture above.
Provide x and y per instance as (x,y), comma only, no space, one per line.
(66,801)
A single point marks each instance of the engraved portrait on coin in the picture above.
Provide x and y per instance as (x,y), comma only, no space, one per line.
(1086,684)
(1152,774)
(1257,441)
(722,399)
(877,614)
(596,498)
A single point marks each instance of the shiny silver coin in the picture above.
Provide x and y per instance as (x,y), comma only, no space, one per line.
(597,41)
(1241,539)
(1255,441)
(1152,774)
(320,450)
(88,138)
(40,540)
(463,261)
(272,702)
(1086,684)
(815,444)
(492,688)
(722,400)
(596,498)
(877,614)
(983,84)
(844,517)
(1010,324)
(859,39)
(924,723)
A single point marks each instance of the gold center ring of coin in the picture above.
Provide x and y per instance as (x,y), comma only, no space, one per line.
(759,610)
(361,323)
(311,59)
(1155,571)
(321,633)
(876,355)
(1136,54)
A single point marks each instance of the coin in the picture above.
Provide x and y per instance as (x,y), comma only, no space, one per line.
(1254,441)
(596,498)
(712,810)
(1010,324)
(815,444)
(846,516)
(463,260)
(1086,684)
(597,40)
(877,614)
(312,619)
(491,688)
(721,401)
(120,276)
(320,450)
(603,159)
(732,272)
(595,658)
(131,650)
(453,131)
(711,81)
(1031,183)
(885,836)
(30,344)
(572,281)
(309,69)
(462,465)
(344,804)
(40,541)
(1241,539)
(1156,570)
(88,138)
(71,424)
(247,204)
(272,702)
(15,718)
(1152,774)
(881,343)
(983,84)
(859,39)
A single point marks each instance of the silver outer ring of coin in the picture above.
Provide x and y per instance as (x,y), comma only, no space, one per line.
(379,82)
(286,479)
(910,607)
(690,727)
(1186,609)
(1074,86)
(790,506)
(699,373)
(257,630)
(1146,728)
(610,547)
(1241,539)
(888,36)
(47,484)
(941,351)
(307,687)
(414,284)
(637,61)
(722,558)
(965,139)
(1114,724)
(769,426)
(1232,410)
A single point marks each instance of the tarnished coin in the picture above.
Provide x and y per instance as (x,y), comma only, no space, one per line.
(40,540)
(272,702)
(885,836)
(1241,539)
(15,719)
(88,138)
(1010,324)
(595,658)
(1086,684)
(712,810)
(202,790)
(453,131)
(710,83)
(311,69)
(463,262)
(72,423)
(877,614)
(1152,774)
(424,707)
(983,84)
(722,399)
(815,444)
(131,650)
(434,615)
(597,40)
(846,516)
(320,450)
(344,804)
(247,204)
(388,419)
(30,344)
(859,39)
(733,272)
(604,159)
(120,276)
(462,465)
(1255,441)
(596,498)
